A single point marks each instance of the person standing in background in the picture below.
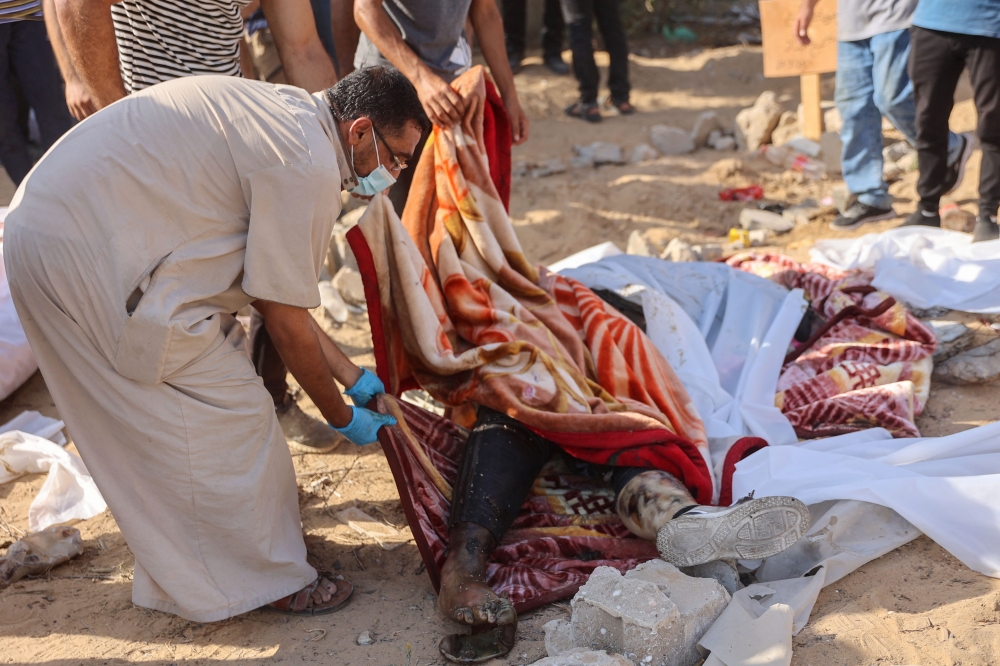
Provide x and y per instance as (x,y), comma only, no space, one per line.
(27,66)
(515,19)
(579,16)
(947,37)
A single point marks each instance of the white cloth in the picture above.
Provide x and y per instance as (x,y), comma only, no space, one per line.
(199,196)
(923,266)
(34,423)
(16,360)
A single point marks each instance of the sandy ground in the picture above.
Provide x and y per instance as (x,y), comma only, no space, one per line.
(917,605)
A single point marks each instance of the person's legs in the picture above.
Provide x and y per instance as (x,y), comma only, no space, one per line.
(553,27)
(514,27)
(13,143)
(322,15)
(609,21)
(579,17)
(936,61)
(984,72)
(345,35)
(648,498)
(34,65)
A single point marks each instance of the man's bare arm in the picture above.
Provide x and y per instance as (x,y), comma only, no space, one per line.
(488,24)
(442,104)
(293,333)
(343,369)
(803,20)
(78,98)
(305,61)
(90,39)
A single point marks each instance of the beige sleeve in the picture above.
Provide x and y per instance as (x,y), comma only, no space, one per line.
(292,211)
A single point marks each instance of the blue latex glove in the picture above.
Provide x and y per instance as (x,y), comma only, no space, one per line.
(367,387)
(364,425)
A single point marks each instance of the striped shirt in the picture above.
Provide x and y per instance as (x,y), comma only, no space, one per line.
(160,40)
(19,10)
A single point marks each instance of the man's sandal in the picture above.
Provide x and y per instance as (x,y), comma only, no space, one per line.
(302,602)
(487,641)
(586,111)
(622,108)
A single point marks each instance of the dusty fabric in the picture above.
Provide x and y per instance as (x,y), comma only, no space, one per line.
(864,372)
(204,193)
(566,528)
(464,316)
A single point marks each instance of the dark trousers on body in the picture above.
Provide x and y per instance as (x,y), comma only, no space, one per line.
(936,61)
(579,16)
(267,360)
(27,61)
(515,27)
(501,460)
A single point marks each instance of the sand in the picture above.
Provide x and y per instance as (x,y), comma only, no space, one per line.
(917,605)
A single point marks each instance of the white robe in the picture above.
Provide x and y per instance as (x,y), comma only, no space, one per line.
(204,194)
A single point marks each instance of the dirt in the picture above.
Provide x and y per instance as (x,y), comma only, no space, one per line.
(916,605)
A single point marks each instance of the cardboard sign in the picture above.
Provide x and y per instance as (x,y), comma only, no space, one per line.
(783,55)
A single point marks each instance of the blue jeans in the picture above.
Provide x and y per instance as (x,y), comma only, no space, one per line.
(872,82)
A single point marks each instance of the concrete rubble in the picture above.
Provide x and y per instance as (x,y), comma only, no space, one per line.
(723,571)
(723,142)
(643,152)
(639,245)
(584,657)
(787,128)
(654,614)
(979,365)
(952,337)
(348,283)
(679,250)
(754,218)
(598,153)
(704,125)
(755,124)
(671,140)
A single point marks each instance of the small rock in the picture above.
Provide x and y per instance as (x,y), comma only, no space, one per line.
(520,169)
(548,168)
(671,140)
(979,365)
(708,251)
(714,136)
(582,161)
(787,128)
(895,151)
(933,312)
(754,218)
(832,122)
(754,125)
(678,250)
(332,302)
(639,245)
(365,638)
(802,213)
(601,152)
(558,637)
(956,219)
(584,657)
(952,338)
(842,198)
(724,143)
(800,144)
(830,150)
(706,123)
(723,571)
(643,152)
(348,282)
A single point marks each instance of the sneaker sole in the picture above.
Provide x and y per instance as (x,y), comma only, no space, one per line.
(970,145)
(760,528)
(875,218)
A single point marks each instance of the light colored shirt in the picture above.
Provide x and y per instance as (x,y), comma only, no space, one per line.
(204,193)
(863,19)
(965,17)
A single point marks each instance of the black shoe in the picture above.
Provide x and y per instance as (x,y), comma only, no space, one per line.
(986,229)
(921,218)
(956,171)
(556,64)
(515,62)
(860,213)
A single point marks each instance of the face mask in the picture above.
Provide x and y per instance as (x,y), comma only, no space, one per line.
(375,182)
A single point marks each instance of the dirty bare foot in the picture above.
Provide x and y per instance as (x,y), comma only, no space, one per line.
(465,597)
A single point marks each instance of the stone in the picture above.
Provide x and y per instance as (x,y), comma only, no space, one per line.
(600,152)
(891,172)
(643,152)
(722,571)
(678,250)
(708,251)
(842,198)
(366,638)
(706,123)
(830,150)
(639,245)
(956,219)
(754,218)
(332,302)
(832,122)
(952,338)
(547,168)
(755,124)
(520,169)
(893,152)
(714,136)
(348,282)
(670,140)
(725,143)
(979,365)
(584,657)
(654,614)
(340,253)
(802,213)
(558,637)
(787,128)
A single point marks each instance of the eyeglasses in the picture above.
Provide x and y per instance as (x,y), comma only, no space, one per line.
(399,164)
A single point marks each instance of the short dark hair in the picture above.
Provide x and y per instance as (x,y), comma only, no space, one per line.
(381,94)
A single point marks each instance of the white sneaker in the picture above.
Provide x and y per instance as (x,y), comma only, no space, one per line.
(751,529)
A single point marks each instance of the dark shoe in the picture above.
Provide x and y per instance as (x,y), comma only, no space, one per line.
(920,218)
(587,111)
(858,214)
(622,108)
(304,433)
(956,171)
(515,62)
(751,529)
(556,64)
(986,229)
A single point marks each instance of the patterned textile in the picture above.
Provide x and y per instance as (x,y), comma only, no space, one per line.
(463,315)
(566,528)
(864,372)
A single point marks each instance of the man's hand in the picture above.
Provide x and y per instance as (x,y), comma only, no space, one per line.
(78,99)
(441,103)
(803,20)
(89,34)
(518,120)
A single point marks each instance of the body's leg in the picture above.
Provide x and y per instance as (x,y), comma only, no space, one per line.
(34,65)
(648,498)
(515,13)
(609,21)
(13,143)
(579,17)
(553,27)
(984,71)
(935,64)
(499,465)
(267,361)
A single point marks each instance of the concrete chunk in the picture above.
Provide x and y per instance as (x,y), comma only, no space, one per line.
(706,123)
(558,637)
(643,152)
(584,657)
(639,245)
(754,125)
(348,282)
(979,365)
(679,250)
(671,140)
